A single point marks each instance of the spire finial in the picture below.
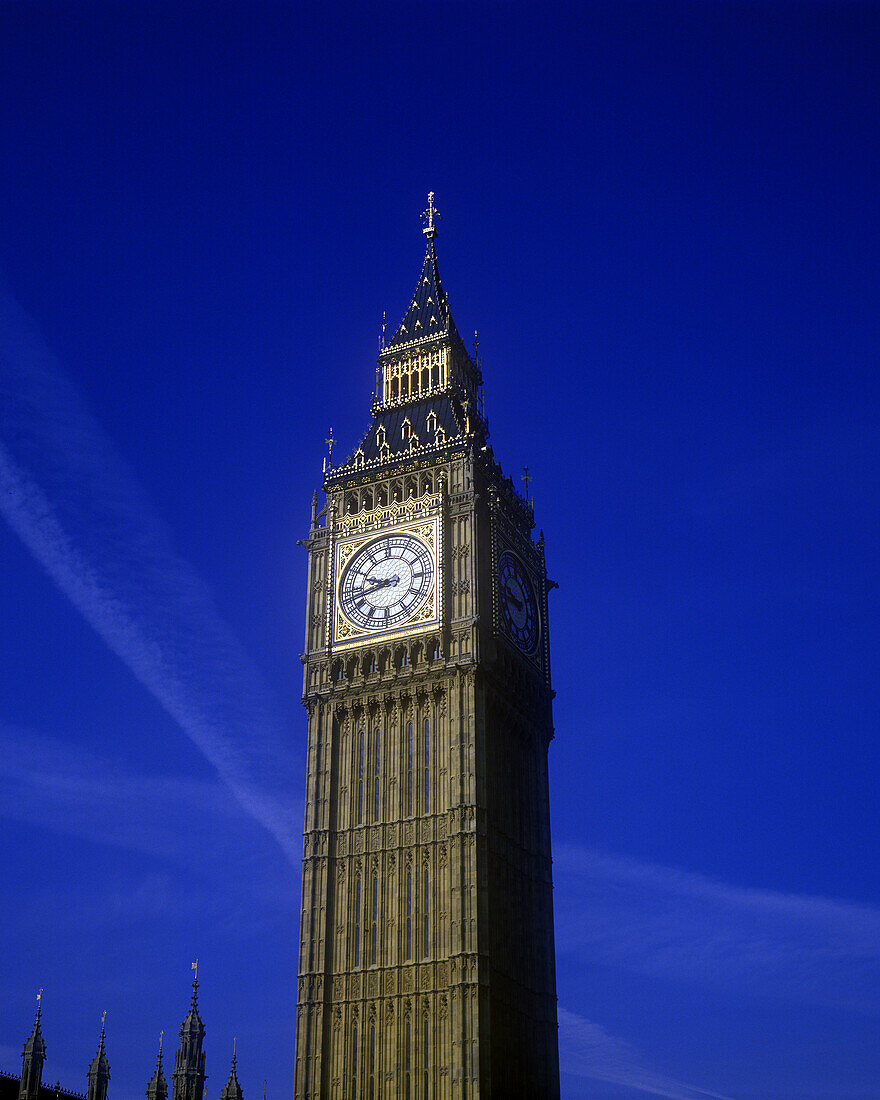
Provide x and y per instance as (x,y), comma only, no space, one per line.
(103,1019)
(39,1004)
(428,217)
(330,441)
(161,1037)
(233,1052)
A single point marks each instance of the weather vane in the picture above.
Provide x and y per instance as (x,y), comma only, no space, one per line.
(428,217)
(526,477)
(195,966)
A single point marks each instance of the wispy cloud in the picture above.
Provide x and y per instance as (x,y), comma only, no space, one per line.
(587,1050)
(76,506)
(666,922)
(189,831)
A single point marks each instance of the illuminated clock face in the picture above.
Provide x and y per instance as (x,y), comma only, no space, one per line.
(519,611)
(386,582)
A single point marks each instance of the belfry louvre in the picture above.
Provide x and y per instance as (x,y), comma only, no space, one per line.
(426,965)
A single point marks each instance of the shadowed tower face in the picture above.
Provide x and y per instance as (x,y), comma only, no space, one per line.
(426,965)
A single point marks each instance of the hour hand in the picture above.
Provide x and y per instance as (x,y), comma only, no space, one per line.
(516,603)
(372,583)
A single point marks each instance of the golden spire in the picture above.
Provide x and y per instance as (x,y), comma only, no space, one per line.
(428,217)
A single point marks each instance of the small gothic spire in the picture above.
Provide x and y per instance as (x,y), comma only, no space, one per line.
(232,1089)
(158,1086)
(99,1070)
(32,1057)
(188,1079)
(35,1043)
(428,315)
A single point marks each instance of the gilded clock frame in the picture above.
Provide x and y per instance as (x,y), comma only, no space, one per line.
(346,634)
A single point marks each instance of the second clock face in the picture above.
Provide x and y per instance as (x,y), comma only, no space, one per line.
(386,582)
(517,600)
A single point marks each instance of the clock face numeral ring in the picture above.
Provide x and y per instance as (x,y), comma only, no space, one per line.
(516,600)
(386,582)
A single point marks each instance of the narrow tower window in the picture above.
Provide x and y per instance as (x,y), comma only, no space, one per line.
(354,1063)
(374,922)
(376,776)
(372,1061)
(425,1056)
(409,914)
(409,770)
(407,1063)
(357,921)
(427,766)
(360,816)
(426,908)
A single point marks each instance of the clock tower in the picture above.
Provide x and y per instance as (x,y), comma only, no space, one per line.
(426,962)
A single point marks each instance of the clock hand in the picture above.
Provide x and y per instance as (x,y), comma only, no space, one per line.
(516,603)
(379,582)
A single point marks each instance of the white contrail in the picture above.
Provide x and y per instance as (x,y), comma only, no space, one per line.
(72,501)
(587,1050)
(669,923)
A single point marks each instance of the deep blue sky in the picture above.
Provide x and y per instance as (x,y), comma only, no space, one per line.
(663,221)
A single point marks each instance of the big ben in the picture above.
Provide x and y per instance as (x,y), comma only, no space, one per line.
(426,960)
